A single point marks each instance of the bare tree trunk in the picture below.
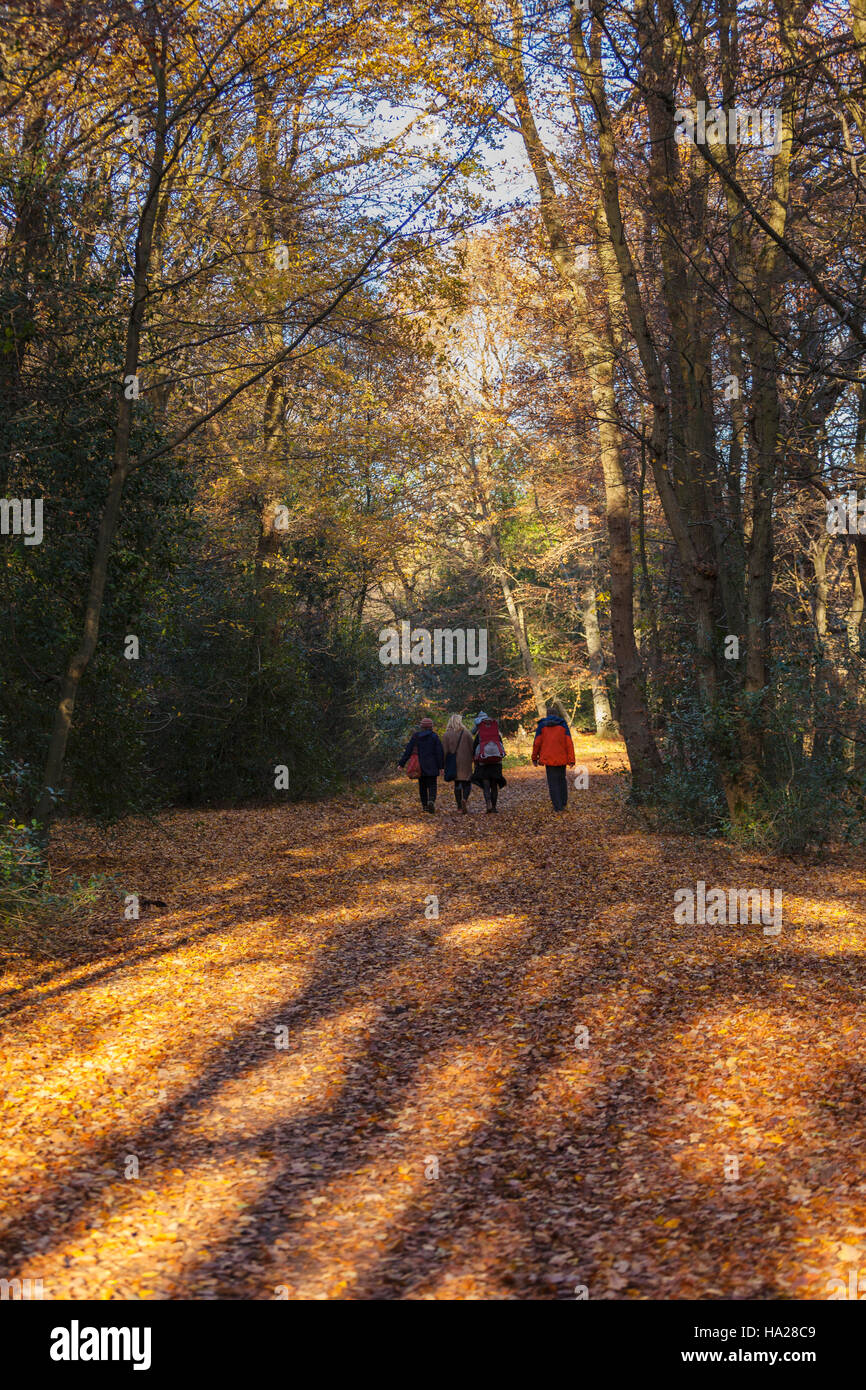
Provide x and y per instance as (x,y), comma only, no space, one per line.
(264,624)
(820,740)
(516,616)
(759,575)
(854,624)
(647,597)
(520,638)
(854,616)
(595,653)
(80,658)
(596,349)
(819,553)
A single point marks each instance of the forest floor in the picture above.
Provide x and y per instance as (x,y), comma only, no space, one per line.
(290,1082)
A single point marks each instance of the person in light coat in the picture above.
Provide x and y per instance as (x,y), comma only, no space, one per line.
(458,740)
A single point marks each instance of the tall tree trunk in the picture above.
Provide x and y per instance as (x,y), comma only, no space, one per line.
(854,616)
(596,349)
(516,616)
(647,597)
(265,619)
(595,654)
(854,624)
(821,689)
(121,463)
(819,553)
(517,627)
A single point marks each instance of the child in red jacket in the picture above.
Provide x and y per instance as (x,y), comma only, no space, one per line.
(554,749)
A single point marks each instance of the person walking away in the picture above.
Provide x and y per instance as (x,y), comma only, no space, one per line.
(488,751)
(427,744)
(457,747)
(554,749)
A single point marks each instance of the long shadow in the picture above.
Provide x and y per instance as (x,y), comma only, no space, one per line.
(343,1116)
(120,956)
(378,956)
(700,1209)
(381,948)
(462,1198)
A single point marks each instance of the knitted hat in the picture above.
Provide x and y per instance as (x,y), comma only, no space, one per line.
(426,723)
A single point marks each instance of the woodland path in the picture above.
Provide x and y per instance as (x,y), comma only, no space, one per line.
(419,1046)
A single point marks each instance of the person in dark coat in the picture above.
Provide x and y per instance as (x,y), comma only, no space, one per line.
(427,744)
(487,774)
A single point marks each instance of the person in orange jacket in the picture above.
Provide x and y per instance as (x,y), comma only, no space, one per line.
(554,749)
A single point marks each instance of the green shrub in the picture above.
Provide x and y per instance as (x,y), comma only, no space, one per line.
(26,888)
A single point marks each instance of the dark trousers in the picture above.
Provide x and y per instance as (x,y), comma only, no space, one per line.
(461,791)
(426,788)
(557,785)
(491,792)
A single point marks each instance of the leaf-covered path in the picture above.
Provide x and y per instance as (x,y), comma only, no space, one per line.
(290,1082)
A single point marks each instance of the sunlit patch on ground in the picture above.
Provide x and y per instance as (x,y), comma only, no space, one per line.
(331,1089)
